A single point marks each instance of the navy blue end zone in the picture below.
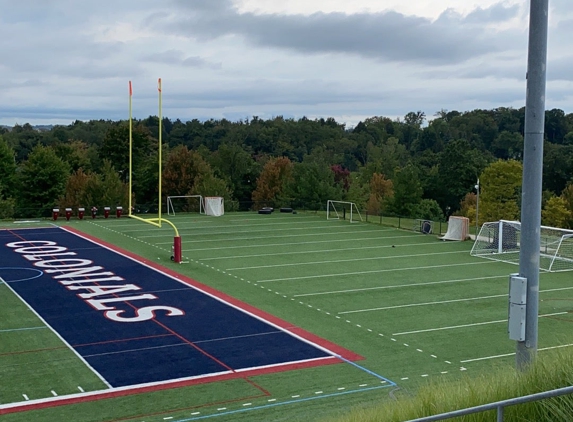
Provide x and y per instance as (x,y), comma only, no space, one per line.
(135,323)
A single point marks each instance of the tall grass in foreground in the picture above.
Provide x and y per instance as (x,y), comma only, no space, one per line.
(550,371)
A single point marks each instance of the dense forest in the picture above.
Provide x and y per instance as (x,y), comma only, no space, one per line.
(414,167)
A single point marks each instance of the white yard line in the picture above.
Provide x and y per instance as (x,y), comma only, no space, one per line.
(423,304)
(467,325)
(375,271)
(307,234)
(401,286)
(272,230)
(342,260)
(360,239)
(322,250)
(443,301)
(513,354)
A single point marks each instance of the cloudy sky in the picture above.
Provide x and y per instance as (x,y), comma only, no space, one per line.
(62,60)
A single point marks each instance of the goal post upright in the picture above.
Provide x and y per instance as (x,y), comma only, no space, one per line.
(177,251)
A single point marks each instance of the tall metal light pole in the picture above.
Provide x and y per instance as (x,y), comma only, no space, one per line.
(532,176)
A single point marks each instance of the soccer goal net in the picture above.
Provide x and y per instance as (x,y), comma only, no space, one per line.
(458,228)
(342,210)
(500,241)
(185,204)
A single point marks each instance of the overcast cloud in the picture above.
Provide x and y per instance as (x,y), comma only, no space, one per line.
(63,60)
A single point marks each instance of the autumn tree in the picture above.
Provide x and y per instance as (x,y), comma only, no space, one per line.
(274,177)
(187,173)
(381,191)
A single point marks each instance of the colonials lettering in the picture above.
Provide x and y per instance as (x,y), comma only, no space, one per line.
(78,274)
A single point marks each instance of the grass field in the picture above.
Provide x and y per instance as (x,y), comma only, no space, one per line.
(414,307)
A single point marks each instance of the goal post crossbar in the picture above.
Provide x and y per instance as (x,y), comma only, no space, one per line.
(171,209)
(500,241)
(333,208)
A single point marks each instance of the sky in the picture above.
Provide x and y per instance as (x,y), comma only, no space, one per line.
(67,60)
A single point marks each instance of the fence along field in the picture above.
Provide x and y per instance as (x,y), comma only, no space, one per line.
(413,306)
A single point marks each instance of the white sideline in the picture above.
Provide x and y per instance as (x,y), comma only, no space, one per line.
(343,260)
(373,271)
(467,325)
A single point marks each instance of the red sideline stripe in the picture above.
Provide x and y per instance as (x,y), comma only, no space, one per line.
(93,396)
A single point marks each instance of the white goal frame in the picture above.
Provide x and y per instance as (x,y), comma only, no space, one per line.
(171,209)
(336,210)
(214,205)
(458,228)
(500,241)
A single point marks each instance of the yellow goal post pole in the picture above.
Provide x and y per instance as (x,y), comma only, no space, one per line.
(153,221)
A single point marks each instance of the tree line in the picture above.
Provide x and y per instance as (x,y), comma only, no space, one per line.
(414,166)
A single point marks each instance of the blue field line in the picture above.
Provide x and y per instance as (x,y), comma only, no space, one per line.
(21,329)
(268,406)
(39,273)
(368,371)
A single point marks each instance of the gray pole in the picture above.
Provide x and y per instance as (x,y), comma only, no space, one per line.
(532,176)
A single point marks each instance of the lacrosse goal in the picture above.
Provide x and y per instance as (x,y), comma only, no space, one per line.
(185,204)
(500,241)
(342,210)
(214,205)
(458,228)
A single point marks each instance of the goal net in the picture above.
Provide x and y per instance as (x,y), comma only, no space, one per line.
(342,210)
(185,204)
(500,241)
(214,205)
(458,228)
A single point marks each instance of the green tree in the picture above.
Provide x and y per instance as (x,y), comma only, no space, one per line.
(236,165)
(312,184)
(500,194)
(429,209)
(7,170)
(458,169)
(115,148)
(407,192)
(44,176)
(555,212)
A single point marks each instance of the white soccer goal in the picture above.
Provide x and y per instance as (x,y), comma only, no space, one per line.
(458,228)
(214,205)
(500,241)
(185,203)
(342,210)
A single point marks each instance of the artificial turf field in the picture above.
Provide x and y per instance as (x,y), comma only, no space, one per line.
(414,307)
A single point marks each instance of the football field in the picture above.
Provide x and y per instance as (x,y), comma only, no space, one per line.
(269,317)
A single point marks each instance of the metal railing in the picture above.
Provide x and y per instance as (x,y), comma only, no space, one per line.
(499,406)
